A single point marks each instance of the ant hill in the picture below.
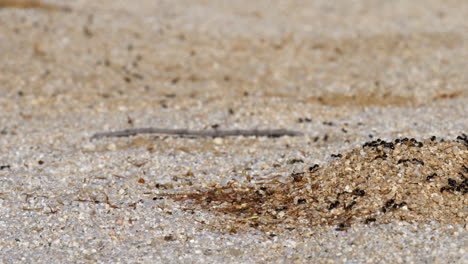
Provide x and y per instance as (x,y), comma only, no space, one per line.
(381,182)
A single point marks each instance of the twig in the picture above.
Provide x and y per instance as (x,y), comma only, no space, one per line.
(199,133)
(32,4)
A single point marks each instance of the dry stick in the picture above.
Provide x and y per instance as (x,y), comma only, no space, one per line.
(32,4)
(200,133)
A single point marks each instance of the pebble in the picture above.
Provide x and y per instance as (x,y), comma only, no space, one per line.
(111,147)
(218,141)
(89,147)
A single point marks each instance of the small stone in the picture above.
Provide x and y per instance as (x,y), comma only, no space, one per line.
(89,147)
(111,147)
(218,141)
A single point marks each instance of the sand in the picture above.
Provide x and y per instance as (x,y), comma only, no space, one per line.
(343,73)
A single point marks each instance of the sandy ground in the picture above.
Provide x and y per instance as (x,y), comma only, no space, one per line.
(341,72)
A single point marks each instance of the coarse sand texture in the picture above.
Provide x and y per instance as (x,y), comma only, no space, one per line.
(233,131)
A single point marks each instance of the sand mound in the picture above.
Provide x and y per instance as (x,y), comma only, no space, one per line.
(381,182)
